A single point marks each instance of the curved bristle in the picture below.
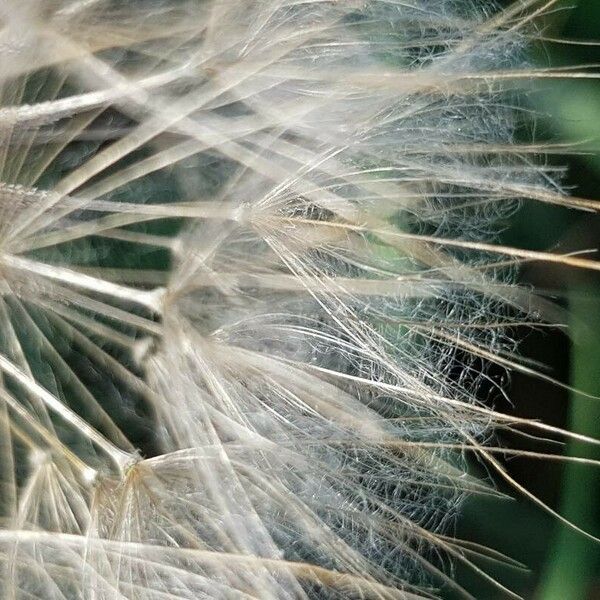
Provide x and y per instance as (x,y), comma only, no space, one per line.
(250,278)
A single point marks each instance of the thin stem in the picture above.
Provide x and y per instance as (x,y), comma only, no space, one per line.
(120,457)
(149,299)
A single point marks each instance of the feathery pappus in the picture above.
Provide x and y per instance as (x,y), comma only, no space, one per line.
(250,280)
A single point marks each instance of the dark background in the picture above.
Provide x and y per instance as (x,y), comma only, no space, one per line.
(563,565)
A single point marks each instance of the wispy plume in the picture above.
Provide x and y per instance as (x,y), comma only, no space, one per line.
(250,284)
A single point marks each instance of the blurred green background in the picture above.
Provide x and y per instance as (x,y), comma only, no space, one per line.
(563,565)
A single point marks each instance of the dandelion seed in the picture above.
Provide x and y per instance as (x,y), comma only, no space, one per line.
(249,274)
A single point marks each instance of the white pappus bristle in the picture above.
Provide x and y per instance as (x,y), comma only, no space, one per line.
(249,286)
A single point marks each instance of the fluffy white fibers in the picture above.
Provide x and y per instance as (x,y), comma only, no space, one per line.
(249,289)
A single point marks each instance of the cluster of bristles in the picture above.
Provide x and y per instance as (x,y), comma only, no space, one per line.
(248,283)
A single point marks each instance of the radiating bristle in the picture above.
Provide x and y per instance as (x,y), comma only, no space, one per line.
(249,288)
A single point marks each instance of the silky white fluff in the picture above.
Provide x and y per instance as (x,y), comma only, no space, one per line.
(249,287)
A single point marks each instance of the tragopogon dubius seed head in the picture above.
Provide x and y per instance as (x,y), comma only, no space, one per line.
(249,278)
